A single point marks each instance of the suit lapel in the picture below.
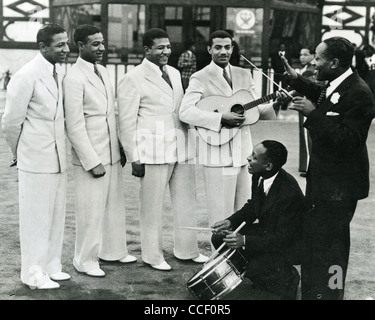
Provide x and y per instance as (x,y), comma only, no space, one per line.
(47,78)
(155,78)
(273,193)
(91,76)
(341,90)
(218,80)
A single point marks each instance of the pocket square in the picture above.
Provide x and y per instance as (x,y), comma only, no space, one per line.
(331,113)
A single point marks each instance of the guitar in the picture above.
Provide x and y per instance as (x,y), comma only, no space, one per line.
(238,103)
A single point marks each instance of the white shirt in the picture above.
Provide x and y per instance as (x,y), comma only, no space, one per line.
(335,83)
(268,183)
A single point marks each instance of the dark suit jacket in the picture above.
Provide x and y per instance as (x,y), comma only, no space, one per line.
(280,217)
(339,164)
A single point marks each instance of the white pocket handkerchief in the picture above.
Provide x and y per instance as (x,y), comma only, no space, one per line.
(331,113)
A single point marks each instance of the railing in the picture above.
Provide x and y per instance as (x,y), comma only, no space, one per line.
(117,70)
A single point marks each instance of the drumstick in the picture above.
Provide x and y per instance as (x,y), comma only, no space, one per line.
(223,244)
(197,228)
(256,68)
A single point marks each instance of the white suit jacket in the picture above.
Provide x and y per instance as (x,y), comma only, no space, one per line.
(150,130)
(90,116)
(33,120)
(209,82)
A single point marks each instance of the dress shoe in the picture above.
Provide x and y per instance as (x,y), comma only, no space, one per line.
(164,266)
(303,174)
(128,259)
(59,276)
(47,285)
(200,259)
(96,273)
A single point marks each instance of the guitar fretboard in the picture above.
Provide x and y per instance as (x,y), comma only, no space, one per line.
(264,99)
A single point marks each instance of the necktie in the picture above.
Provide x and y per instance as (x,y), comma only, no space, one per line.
(165,76)
(55,76)
(322,96)
(226,77)
(98,73)
(261,187)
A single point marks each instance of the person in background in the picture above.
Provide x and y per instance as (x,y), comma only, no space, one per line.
(235,58)
(34,128)
(365,64)
(271,239)
(338,117)
(96,156)
(306,58)
(155,142)
(187,63)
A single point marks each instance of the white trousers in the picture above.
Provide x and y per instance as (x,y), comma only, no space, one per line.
(42,203)
(100,218)
(181,181)
(227,190)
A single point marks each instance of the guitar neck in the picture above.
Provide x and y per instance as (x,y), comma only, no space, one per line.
(257,102)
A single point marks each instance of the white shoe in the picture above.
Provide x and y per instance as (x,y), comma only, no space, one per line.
(96,273)
(128,259)
(47,285)
(200,259)
(164,266)
(59,276)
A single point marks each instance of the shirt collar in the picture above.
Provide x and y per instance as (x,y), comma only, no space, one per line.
(48,64)
(153,66)
(87,64)
(268,183)
(335,83)
(220,69)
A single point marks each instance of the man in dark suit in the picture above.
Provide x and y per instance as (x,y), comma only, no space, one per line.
(338,119)
(273,217)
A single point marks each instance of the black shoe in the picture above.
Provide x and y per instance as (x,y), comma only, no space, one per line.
(303,174)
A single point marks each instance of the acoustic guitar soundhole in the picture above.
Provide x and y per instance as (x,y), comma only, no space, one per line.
(238,108)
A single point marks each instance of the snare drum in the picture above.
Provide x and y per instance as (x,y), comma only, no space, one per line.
(219,276)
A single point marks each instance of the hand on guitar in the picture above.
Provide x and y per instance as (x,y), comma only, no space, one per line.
(232,119)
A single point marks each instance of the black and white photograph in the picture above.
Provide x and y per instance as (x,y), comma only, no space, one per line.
(188,157)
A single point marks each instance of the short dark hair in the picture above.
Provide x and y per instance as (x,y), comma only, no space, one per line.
(47,31)
(341,49)
(219,34)
(310,48)
(83,31)
(276,153)
(151,34)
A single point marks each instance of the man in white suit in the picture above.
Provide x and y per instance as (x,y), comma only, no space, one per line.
(155,143)
(227,183)
(92,131)
(33,125)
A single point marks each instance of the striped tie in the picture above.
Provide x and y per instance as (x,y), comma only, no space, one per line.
(165,76)
(98,73)
(226,77)
(55,76)
(322,96)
